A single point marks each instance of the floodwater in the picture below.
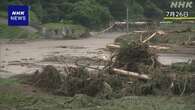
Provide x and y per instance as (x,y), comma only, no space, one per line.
(26,57)
(168,59)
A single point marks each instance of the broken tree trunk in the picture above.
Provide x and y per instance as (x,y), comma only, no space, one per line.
(131,74)
(159,32)
(114,46)
(149,37)
(108,28)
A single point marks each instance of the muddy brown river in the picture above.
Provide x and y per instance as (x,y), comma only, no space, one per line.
(168,59)
(26,57)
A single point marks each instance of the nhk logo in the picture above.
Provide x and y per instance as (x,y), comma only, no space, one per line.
(18,15)
(180,10)
(181,4)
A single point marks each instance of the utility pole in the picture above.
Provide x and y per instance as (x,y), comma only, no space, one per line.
(127,16)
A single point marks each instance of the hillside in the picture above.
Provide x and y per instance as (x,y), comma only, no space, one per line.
(90,13)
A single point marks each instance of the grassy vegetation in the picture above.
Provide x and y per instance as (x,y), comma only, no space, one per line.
(175,38)
(78,28)
(183,38)
(172,38)
(8,82)
(183,67)
(81,102)
(14,98)
(34,21)
(177,26)
(3,14)
(7,32)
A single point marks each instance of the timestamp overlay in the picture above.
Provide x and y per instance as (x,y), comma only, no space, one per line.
(180,10)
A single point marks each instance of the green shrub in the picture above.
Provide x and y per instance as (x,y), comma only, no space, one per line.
(7,32)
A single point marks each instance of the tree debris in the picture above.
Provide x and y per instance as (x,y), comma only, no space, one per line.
(131,74)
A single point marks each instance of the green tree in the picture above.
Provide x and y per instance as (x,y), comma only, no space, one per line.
(3,4)
(90,14)
(106,3)
(152,11)
(118,9)
(136,10)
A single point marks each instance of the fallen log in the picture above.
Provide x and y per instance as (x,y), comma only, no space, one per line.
(114,46)
(131,74)
(159,47)
(140,31)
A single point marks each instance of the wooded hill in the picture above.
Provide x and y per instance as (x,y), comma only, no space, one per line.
(92,13)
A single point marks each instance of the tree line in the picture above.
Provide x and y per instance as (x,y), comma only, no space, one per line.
(92,13)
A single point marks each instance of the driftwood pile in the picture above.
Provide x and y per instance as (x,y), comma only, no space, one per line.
(79,81)
(133,69)
(49,78)
(132,59)
(136,61)
(74,80)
